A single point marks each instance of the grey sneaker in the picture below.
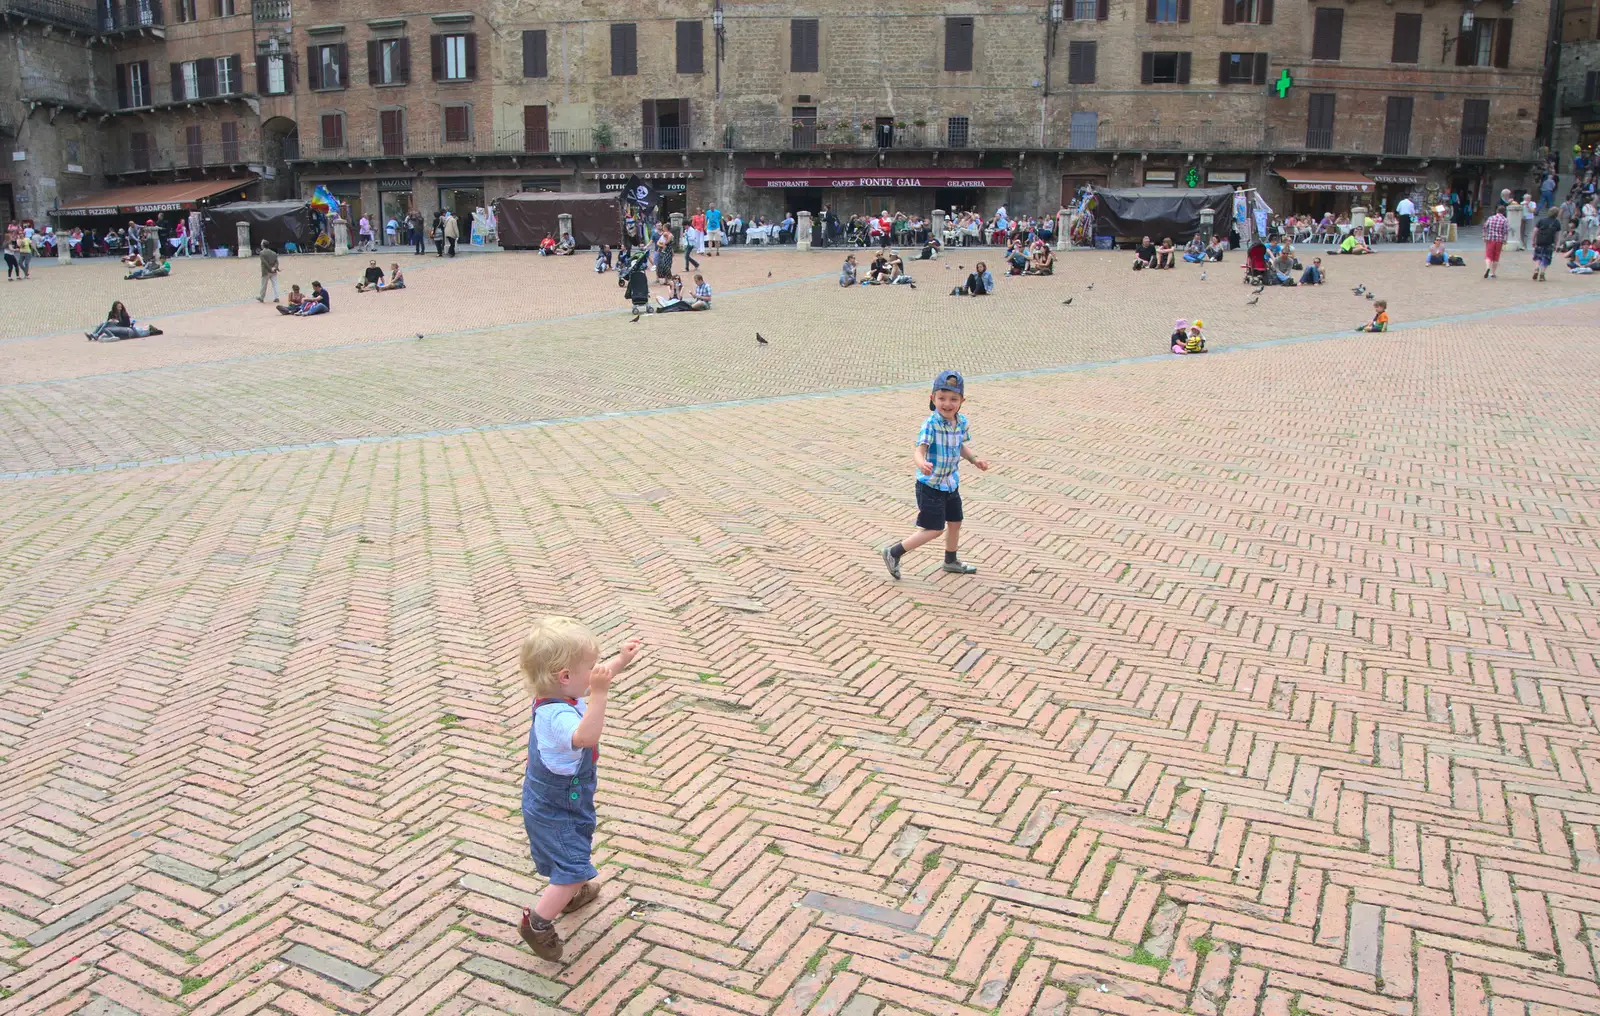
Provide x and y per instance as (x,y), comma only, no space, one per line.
(959,568)
(891,562)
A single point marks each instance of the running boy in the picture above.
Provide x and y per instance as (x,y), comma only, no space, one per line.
(560,664)
(941,446)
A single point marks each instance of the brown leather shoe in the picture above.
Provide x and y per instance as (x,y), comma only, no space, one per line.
(544,942)
(587,894)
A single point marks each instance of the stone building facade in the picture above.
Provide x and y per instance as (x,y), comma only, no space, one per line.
(1577,84)
(763,107)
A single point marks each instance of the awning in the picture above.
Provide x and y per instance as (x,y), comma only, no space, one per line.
(883,179)
(156,197)
(1343,181)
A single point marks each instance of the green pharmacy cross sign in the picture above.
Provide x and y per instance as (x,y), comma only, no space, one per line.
(1283,84)
(1191,176)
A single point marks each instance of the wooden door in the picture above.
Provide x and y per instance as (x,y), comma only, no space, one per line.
(535,128)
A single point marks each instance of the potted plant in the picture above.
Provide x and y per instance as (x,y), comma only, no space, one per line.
(899,125)
(920,122)
(602,136)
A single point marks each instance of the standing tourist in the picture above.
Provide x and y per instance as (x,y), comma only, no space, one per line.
(269,272)
(1404,211)
(1494,241)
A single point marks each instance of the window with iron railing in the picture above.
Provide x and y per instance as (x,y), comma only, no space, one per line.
(230,141)
(1319,121)
(958,132)
(194,146)
(1397,125)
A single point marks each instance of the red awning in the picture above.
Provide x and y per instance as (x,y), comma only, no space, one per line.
(891,178)
(156,197)
(1342,180)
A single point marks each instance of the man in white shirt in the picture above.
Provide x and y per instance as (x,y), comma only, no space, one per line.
(1404,211)
(1530,213)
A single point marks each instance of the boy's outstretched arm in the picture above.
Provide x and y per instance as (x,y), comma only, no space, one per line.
(971,455)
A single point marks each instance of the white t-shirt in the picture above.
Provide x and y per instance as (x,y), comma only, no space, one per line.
(1405,207)
(553,726)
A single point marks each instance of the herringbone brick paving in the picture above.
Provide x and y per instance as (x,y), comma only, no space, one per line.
(1276,691)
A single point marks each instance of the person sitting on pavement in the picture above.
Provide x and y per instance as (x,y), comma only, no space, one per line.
(371,279)
(395,281)
(565,246)
(930,249)
(1194,251)
(1283,268)
(702,294)
(317,303)
(1144,255)
(1582,261)
(878,274)
(547,246)
(1218,249)
(119,325)
(847,274)
(1166,254)
(1016,258)
(151,270)
(1353,243)
(897,271)
(1043,261)
(979,283)
(1313,275)
(1437,255)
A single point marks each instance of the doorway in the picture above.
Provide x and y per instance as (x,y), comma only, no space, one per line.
(395,205)
(955,200)
(462,201)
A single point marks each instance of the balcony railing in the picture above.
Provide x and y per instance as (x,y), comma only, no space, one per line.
(1397,140)
(182,156)
(270,10)
(784,136)
(109,16)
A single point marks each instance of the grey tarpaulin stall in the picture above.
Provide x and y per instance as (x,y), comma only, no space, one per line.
(1160,212)
(524,219)
(278,222)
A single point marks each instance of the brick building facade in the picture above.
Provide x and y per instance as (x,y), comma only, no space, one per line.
(1577,84)
(736,102)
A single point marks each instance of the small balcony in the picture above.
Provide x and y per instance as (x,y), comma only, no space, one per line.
(270,10)
(109,18)
(210,155)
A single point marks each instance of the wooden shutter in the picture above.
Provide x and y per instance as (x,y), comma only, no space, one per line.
(534,46)
(1263,12)
(1328,36)
(235,73)
(1474,117)
(1591,86)
(1150,9)
(261,74)
(535,128)
(1183,10)
(472,56)
(373,58)
(313,68)
(1407,38)
(205,78)
(341,60)
(332,130)
(177,82)
(436,45)
(1102,10)
(1147,69)
(1224,68)
(1229,12)
(1081,63)
(122,86)
(803,45)
(1260,76)
(624,49)
(958,44)
(1183,68)
(691,47)
(402,61)
(1502,43)
(1467,44)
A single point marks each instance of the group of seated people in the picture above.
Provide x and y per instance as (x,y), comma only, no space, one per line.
(373,280)
(674,301)
(1187,338)
(1583,259)
(301,305)
(139,268)
(1274,264)
(118,325)
(1197,251)
(1038,259)
(565,247)
(887,269)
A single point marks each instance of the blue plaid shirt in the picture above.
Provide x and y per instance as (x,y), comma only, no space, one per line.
(944,441)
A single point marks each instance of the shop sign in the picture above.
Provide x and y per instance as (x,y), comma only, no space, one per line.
(881,180)
(1337,188)
(1408,178)
(617,185)
(1225,176)
(102,210)
(396,185)
(647,174)
(162,206)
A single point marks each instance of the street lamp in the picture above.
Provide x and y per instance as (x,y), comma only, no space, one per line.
(716,28)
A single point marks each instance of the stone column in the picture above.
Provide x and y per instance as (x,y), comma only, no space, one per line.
(63,248)
(676,218)
(938,226)
(564,225)
(1358,220)
(241,236)
(1208,220)
(341,236)
(1514,226)
(1063,229)
(802,230)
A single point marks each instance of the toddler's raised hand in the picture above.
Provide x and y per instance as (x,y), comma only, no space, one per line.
(625,656)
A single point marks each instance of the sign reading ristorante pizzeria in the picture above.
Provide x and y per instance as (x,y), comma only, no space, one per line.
(878,179)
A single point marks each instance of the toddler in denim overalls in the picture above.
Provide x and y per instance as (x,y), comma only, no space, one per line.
(559,663)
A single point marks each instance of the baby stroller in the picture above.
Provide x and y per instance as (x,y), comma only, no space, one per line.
(1256,270)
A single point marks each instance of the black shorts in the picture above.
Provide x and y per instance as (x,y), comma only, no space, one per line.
(935,507)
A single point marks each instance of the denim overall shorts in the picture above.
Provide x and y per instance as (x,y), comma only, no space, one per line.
(558,812)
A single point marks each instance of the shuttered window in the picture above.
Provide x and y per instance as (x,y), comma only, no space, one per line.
(325,66)
(230,141)
(1397,125)
(803,49)
(958,44)
(273,74)
(1407,38)
(1319,121)
(195,151)
(388,61)
(1327,37)
(458,123)
(333,130)
(1164,68)
(1474,126)
(455,57)
(691,47)
(1080,63)
(392,131)
(535,49)
(624,49)
(1242,69)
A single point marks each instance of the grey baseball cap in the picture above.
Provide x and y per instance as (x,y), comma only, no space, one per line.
(950,381)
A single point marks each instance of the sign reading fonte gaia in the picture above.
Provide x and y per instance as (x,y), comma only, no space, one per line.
(878,179)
